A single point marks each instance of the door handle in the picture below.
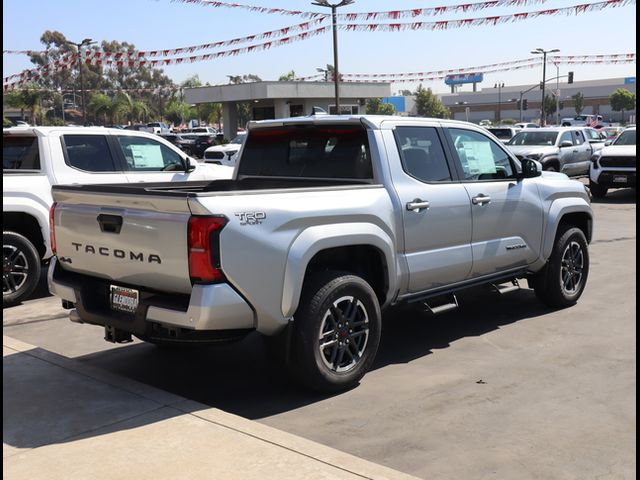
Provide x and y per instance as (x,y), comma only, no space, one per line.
(481,199)
(417,204)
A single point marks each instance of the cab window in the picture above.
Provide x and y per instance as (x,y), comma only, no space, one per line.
(480,157)
(89,153)
(422,154)
(147,155)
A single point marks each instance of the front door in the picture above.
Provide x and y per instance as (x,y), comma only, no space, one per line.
(507,211)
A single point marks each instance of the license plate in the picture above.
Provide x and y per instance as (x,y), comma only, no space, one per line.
(124,299)
(619,179)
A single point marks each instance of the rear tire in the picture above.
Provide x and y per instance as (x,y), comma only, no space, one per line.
(21,268)
(336,332)
(598,191)
(561,282)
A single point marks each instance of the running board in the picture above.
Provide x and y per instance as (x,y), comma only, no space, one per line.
(445,307)
(503,288)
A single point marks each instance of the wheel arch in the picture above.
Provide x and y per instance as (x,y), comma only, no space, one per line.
(362,249)
(564,214)
(29,227)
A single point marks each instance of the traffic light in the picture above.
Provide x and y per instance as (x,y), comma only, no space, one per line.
(570,79)
(517,104)
(561,105)
(541,85)
(525,103)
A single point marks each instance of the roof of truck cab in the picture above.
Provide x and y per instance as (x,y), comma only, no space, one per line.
(373,121)
(45,131)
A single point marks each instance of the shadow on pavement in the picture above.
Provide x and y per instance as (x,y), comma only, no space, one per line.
(241,379)
(618,196)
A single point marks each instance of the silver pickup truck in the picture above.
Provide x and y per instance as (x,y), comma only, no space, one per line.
(326,221)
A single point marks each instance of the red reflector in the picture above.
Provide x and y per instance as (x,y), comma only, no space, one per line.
(204,248)
(52,228)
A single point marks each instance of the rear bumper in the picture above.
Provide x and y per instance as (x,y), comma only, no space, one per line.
(209,312)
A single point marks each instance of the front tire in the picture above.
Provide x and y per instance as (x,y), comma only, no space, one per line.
(20,268)
(598,191)
(562,281)
(336,332)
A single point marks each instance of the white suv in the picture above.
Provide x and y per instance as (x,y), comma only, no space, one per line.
(225,154)
(615,165)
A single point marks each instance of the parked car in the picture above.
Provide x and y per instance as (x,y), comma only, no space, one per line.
(526,125)
(159,127)
(504,134)
(203,130)
(595,138)
(615,165)
(559,149)
(225,154)
(36,158)
(611,132)
(583,121)
(187,145)
(202,142)
(139,127)
(324,224)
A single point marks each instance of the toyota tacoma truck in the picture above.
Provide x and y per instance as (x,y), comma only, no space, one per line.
(35,158)
(327,221)
(614,166)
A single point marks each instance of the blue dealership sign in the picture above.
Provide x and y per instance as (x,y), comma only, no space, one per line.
(629,80)
(461,78)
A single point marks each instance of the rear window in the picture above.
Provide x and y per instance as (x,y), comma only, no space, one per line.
(308,151)
(20,153)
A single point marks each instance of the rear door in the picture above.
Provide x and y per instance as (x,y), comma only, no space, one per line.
(436,209)
(507,213)
(581,154)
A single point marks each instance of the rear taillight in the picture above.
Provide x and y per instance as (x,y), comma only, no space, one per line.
(52,227)
(204,248)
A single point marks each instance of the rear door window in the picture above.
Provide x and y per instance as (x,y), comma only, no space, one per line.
(147,155)
(90,153)
(20,153)
(422,154)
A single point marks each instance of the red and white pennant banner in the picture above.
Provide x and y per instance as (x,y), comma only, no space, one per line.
(434,11)
(252,8)
(62,62)
(494,20)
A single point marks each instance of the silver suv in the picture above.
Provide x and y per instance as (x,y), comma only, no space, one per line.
(558,149)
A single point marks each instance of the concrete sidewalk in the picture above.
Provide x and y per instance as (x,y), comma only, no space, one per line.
(63,419)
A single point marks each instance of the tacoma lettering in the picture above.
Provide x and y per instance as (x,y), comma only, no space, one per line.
(117,253)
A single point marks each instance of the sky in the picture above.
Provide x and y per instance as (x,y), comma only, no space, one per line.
(163,24)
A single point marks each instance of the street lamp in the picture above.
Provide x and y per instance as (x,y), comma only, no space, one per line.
(540,51)
(336,71)
(499,86)
(325,71)
(83,43)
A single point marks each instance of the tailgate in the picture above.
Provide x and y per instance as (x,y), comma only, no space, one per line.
(131,239)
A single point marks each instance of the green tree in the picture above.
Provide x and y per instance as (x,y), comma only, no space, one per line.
(375,106)
(28,98)
(578,103)
(428,105)
(622,99)
(287,77)
(549,106)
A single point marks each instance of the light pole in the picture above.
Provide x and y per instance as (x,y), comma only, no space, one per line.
(557,94)
(540,51)
(336,71)
(499,87)
(83,43)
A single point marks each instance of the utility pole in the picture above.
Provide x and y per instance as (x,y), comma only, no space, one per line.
(540,51)
(83,43)
(334,18)
(499,86)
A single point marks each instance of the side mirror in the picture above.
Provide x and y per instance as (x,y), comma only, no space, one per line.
(190,164)
(608,142)
(566,143)
(530,168)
